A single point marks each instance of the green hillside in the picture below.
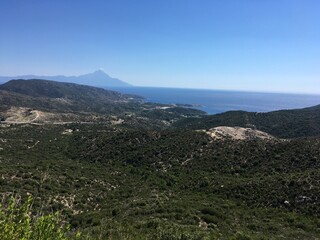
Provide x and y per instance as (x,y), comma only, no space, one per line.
(283,123)
(127,169)
(50,96)
(129,184)
(58,96)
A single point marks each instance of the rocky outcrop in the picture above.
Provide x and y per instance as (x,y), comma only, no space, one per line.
(237,133)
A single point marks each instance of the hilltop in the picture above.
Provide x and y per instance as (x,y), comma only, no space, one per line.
(237,133)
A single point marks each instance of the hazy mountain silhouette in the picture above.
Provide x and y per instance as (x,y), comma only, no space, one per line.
(98,78)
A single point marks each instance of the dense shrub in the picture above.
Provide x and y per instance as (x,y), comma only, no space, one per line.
(18,223)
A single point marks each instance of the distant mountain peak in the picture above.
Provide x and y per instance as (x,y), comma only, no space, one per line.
(100,71)
(97,73)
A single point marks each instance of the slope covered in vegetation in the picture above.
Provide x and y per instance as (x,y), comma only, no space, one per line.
(84,103)
(283,123)
(126,183)
(116,167)
(64,96)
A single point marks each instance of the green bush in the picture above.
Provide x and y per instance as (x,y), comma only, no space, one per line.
(18,223)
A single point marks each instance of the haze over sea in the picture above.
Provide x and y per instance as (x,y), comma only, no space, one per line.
(217,101)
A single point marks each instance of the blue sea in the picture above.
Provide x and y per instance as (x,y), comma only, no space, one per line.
(217,101)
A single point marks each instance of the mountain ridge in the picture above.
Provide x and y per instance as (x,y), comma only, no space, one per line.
(97,78)
(47,94)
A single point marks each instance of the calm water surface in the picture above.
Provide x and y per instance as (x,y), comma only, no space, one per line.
(217,101)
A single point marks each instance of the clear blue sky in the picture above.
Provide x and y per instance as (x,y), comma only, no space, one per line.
(271,45)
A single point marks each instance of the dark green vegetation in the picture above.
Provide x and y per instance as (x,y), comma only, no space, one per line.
(126,169)
(71,102)
(58,96)
(113,181)
(284,123)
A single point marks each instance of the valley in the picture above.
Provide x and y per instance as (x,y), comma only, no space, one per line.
(117,167)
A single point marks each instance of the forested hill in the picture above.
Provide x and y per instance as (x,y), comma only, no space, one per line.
(21,98)
(69,97)
(284,123)
(52,89)
(57,96)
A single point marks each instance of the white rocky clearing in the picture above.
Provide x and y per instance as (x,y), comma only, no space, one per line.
(21,114)
(237,133)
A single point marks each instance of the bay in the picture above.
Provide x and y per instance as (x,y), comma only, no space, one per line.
(217,101)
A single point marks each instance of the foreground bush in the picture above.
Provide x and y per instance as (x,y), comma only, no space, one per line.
(18,223)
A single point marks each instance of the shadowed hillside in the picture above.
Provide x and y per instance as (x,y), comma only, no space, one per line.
(52,89)
(63,97)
